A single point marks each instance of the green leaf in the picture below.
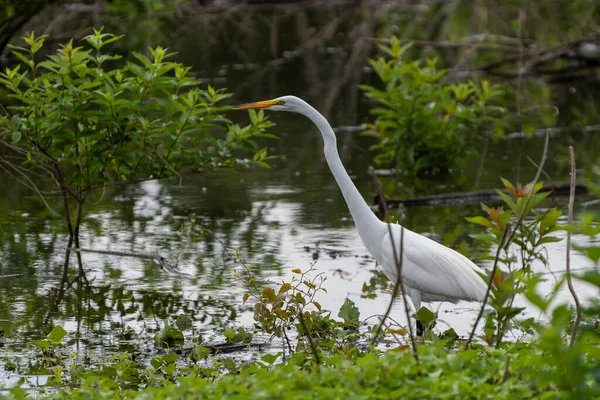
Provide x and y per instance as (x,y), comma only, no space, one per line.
(593,187)
(508,201)
(449,334)
(269,294)
(285,287)
(508,185)
(591,252)
(271,358)
(426,316)
(229,364)
(169,336)
(199,352)
(24,59)
(44,345)
(479,220)
(57,334)
(349,313)
(16,137)
(229,333)
(242,336)
(548,239)
(183,322)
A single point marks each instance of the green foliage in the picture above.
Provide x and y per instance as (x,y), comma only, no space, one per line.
(239,336)
(426,317)
(589,226)
(52,342)
(547,367)
(169,336)
(183,322)
(425,125)
(532,229)
(88,120)
(349,313)
(516,371)
(277,311)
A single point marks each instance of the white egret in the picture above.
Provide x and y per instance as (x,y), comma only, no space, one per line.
(430,271)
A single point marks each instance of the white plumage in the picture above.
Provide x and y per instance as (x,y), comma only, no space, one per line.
(430,271)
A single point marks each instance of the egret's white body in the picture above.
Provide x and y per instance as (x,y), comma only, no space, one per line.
(430,271)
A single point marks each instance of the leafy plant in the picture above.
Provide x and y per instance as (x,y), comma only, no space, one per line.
(533,229)
(88,121)
(590,226)
(423,124)
(52,340)
(293,307)
(239,336)
(278,311)
(517,371)
(169,336)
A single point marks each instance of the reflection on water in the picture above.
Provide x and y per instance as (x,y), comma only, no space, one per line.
(272,230)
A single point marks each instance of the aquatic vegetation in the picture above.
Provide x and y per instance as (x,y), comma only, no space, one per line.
(423,124)
(534,357)
(87,121)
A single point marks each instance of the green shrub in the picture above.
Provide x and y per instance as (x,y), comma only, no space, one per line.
(88,121)
(423,124)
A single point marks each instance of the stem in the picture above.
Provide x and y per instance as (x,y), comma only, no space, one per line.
(313,348)
(528,199)
(489,286)
(67,258)
(569,280)
(399,280)
(65,197)
(80,203)
(506,370)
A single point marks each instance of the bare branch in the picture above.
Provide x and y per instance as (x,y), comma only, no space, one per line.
(443,44)
(399,284)
(528,199)
(29,184)
(569,280)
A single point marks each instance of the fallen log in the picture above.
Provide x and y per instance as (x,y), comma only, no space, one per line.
(448,199)
(219,348)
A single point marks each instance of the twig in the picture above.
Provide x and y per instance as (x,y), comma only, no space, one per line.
(528,199)
(10,276)
(29,184)
(313,348)
(553,131)
(399,281)
(537,166)
(490,283)
(443,44)
(506,370)
(569,280)
(502,326)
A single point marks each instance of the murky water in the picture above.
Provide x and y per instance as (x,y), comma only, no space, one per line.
(275,218)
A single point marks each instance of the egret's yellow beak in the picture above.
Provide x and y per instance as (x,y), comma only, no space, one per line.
(259,104)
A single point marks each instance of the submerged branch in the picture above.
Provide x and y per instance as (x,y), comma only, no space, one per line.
(477,196)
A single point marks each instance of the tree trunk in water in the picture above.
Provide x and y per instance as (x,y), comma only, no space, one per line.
(67,216)
(73,229)
(80,203)
(67,258)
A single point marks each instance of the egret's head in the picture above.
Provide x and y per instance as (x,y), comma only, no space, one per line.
(284,103)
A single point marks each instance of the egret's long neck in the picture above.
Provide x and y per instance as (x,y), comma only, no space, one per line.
(368,225)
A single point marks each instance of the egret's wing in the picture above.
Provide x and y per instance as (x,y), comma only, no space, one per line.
(433,268)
